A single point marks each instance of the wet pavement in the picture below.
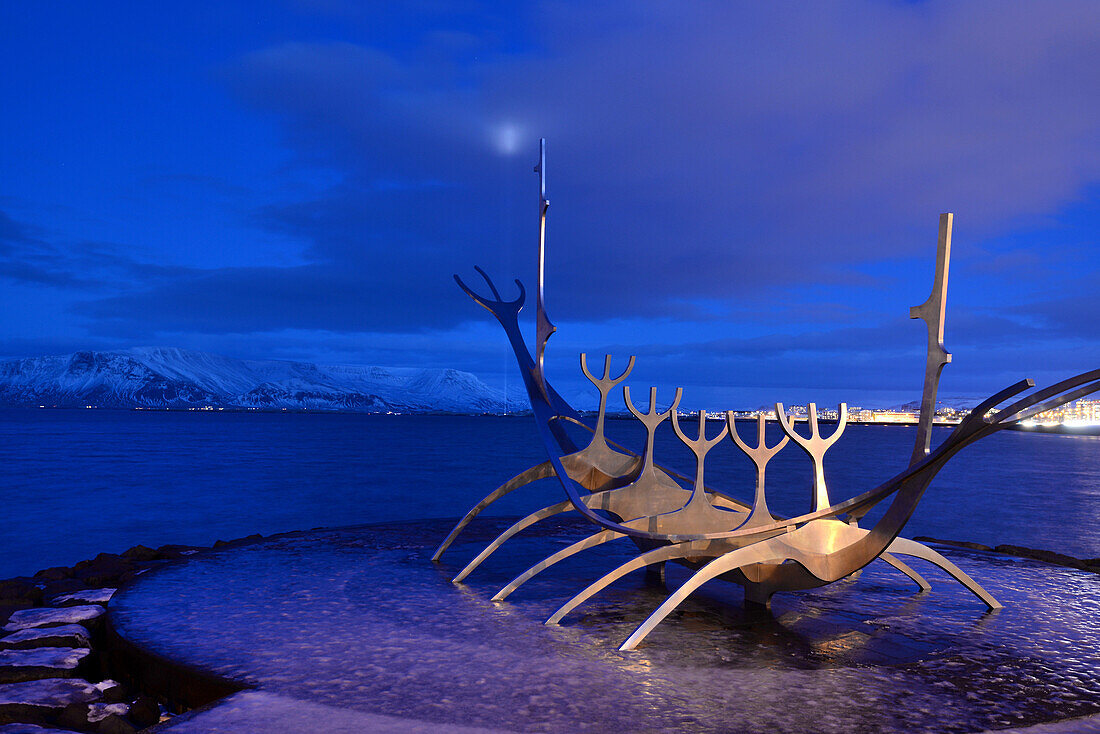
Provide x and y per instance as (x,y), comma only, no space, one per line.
(360,621)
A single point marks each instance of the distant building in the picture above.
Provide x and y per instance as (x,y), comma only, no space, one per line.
(1079,411)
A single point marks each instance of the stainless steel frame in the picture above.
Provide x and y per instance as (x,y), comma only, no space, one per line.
(671,517)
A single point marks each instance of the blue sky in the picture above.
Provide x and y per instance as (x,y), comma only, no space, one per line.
(746,195)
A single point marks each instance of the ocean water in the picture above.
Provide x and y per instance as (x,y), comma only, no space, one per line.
(74,483)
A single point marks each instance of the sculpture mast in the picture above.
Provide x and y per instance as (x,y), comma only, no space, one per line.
(543,327)
(932,312)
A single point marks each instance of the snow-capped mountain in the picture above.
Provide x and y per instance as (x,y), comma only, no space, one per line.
(163,377)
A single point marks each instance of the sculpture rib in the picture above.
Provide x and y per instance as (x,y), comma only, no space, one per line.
(535,473)
(907,570)
(657,555)
(907,547)
(767,551)
(590,542)
(531,519)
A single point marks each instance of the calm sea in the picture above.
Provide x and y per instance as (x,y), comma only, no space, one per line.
(74,483)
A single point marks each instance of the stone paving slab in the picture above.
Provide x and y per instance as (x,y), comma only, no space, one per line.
(66,635)
(37,699)
(33,729)
(42,617)
(40,662)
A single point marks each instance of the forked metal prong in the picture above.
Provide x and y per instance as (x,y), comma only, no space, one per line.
(489,281)
(760,455)
(815,446)
(701,445)
(496,304)
(605,383)
(649,417)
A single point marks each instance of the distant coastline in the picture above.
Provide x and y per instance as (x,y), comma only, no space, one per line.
(1062,429)
(1043,428)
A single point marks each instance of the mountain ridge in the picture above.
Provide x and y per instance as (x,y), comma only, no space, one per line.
(169,377)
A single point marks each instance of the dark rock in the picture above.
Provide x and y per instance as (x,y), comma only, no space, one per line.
(249,538)
(115,693)
(74,716)
(104,570)
(140,553)
(20,589)
(115,724)
(220,543)
(145,712)
(1041,555)
(955,543)
(172,552)
(54,574)
(129,576)
(67,635)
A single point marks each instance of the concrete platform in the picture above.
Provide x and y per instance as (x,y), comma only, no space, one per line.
(356,630)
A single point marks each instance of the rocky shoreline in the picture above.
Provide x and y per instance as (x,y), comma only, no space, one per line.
(56,676)
(1035,554)
(59,675)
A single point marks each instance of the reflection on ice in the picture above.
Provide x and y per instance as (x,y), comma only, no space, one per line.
(360,619)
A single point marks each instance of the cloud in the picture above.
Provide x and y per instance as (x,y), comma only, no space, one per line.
(772,171)
(710,151)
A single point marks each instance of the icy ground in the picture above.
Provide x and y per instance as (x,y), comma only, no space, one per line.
(358,622)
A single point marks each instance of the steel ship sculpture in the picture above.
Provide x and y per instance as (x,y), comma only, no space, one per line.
(671,517)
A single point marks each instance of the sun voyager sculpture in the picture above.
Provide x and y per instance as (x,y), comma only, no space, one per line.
(671,517)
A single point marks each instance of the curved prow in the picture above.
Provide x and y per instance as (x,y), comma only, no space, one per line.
(545,401)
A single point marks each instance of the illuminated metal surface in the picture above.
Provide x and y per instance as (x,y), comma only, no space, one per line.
(932,312)
(815,446)
(703,528)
